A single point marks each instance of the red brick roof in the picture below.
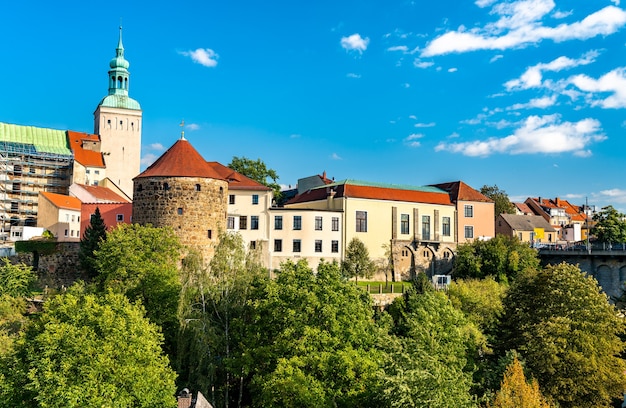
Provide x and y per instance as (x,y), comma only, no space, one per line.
(62,201)
(87,158)
(459,191)
(237,181)
(181,160)
(103,194)
(389,193)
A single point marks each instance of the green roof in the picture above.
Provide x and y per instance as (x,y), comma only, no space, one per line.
(427,189)
(42,139)
(120,101)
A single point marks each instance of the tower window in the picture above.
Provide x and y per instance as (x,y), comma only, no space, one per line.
(180,210)
(197,187)
(209,234)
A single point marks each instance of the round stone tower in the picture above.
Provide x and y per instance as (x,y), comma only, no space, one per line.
(182,191)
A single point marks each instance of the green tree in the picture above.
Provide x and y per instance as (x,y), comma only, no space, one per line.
(89,351)
(610,225)
(516,392)
(15,279)
(257,170)
(563,326)
(430,361)
(501,257)
(95,233)
(312,340)
(142,263)
(357,262)
(502,204)
(212,298)
(15,285)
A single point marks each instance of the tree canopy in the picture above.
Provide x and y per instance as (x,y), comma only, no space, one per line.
(610,225)
(500,198)
(141,262)
(563,326)
(258,171)
(88,351)
(357,263)
(501,257)
(516,392)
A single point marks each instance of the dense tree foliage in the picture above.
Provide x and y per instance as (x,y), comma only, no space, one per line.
(257,170)
(610,226)
(142,263)
(87,350)
(430,359)
(15,285)
(357,263)
(501,257)
(312,340)
(15,279)
(561,323)
(502,204)
(95,232)
(212,298)
(516,392)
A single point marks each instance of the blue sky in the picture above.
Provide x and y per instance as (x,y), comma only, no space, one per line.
(529,95)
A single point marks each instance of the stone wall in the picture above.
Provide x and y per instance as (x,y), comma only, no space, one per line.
(413,257)
(57,270)
(194,207)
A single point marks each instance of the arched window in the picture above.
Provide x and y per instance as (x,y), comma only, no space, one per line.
(197,187)
(166,186)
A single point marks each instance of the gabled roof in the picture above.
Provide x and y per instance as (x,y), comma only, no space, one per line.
(99,194)
(236,180)
(524,208)
(181,160)
(527,222)
(459,191)
(62,201)
(87,158)
(375,191)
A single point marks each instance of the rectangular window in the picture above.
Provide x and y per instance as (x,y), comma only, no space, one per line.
(297,222)
(255,199)
(73,218)
(66,233)
(469,211)
(335,224)
(209,234)
(252,244)
(318,245)
(254,222)
(231,199)
(361,221)
(318,223)
(334,246)
(230,223)
(87,171)
(296,245)
(180,211)
(426,227)
(278,245)
(469,231)
(404,223)
(445,226)
(243,222)
(278,222)
(97,171)
(72,232)
(119,217)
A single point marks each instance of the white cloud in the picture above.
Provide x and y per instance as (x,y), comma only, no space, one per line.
(148,159)
(156,146)
(412,140)
(613,82)
(425,125)
(533,76)
(353,75)
(496,57)
(203,56)
(452,69)
(537,134)
(562,14)
(519,25)
(401,48)
(355,43)
(422,64)
(406,85)
(192,126)
(335,156)
(538,103)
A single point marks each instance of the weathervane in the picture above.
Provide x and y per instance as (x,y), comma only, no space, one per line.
(182,132)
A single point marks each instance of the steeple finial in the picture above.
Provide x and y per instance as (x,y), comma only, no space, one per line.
(182,132)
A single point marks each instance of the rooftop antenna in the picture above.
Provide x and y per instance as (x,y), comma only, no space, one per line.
(182,132)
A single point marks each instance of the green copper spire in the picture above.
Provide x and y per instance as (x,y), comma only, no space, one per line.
(118,81)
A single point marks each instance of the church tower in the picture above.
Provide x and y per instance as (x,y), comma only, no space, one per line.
(117,120)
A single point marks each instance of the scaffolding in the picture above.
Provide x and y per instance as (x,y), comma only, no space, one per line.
(24,173)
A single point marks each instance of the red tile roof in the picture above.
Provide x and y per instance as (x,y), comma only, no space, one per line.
(524,208)
(181,160)
(237,181)
(360,190)
(459,191)
(87,158)
(103,194)
(62,201)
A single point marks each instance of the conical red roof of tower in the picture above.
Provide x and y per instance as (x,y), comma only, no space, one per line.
(181,160)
